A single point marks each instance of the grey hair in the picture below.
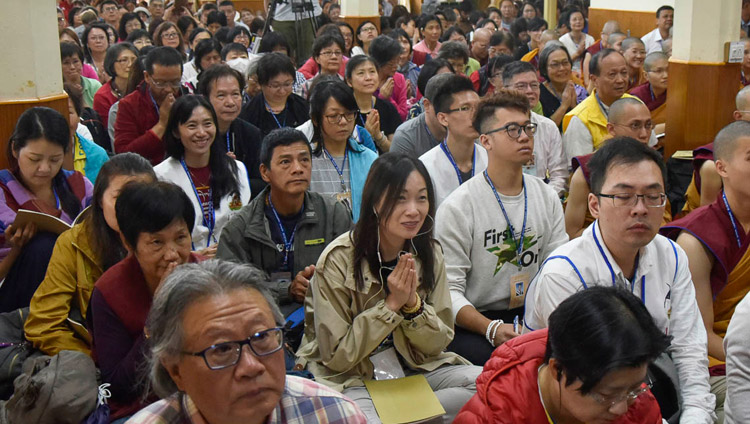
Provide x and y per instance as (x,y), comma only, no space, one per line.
(186,285)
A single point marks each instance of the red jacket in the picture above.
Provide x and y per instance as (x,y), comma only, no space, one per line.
(508,392)
(136,115)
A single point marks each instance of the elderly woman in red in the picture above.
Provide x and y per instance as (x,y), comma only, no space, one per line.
(590,366)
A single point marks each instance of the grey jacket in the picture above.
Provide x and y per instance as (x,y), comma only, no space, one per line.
(246,238)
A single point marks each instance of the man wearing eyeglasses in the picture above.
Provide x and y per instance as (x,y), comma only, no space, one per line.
(622,248)
(143,114)
(108,12)
(549,161)
(496,229)
(217,342)
(715,238)
(457,158)
(585,127)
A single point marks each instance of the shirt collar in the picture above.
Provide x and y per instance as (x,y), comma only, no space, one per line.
(645,258)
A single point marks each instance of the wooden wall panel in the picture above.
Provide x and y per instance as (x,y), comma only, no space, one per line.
(11,110)
(639,23)
(700,102)
(253,5)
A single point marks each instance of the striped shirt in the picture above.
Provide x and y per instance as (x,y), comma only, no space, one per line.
(303,402)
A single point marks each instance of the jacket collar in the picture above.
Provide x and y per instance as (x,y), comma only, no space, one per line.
(258,226)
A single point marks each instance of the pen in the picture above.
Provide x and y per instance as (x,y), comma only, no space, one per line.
(515,324)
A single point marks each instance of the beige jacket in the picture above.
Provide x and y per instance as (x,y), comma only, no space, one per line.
(343,325)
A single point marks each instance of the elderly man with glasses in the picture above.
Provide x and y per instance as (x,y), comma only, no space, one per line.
(202,319)
(496,229)
(143,114)
(622,248)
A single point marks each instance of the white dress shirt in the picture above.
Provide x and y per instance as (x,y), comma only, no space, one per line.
(549,157)
(652,41)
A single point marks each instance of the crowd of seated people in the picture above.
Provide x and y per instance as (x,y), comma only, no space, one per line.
(436,196)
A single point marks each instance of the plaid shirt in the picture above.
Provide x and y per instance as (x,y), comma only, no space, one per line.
(303,402)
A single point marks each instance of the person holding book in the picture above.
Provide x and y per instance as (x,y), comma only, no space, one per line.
(35,181)
(380,292)
(79,258)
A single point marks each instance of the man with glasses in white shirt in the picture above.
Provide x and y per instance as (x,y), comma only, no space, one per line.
(622,248)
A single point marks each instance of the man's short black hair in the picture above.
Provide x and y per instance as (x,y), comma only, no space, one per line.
(70,49)
(621,151)
(216,17)
(219,70)
(272,40)
(662,8)
(429,70)
(106,2)
(594,65)
(515,68)
(535,24)
(444,98)
(226,3)
(384,49)
(163,56)
(281,137)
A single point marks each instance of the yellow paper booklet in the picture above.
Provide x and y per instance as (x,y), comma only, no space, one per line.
(395,400)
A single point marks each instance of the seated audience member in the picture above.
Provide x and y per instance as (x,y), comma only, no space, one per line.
(559,93)
(458,158)
(480,44)
(217,184)
(155,222)
(276,106)
(347,33)
(406,67)
(490,76)
(71,59)
(383,286)
(129,22)
(654,92)
(429,70)
(327,53)
(615,41)
(548,162)
(653,41)
(501,42)
(206,54)
(585,127)
(431,30)
(201,318)
(536,28)
(622,248)
(312,67)
(232,51)
(80,256)
(378,116)
(628,117)
(457,54)
(139,38)
(736,407)
(533,55)
(706,183)
(339,164)
(609,28)
(223,87)
(142,115)
(95,41)
(276,42)
(507,14)
(634,52)
(167,34)
(285,228)
(715,241)
(87,156)
(117,63)
(576,41)
(35,181)
(489,263)
(385,52)
(591,365)
(366,32)
(240,35)
(420,134)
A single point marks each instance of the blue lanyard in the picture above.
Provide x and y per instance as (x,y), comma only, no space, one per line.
(57,199)
(519,242)
(444,146)
(731,218)
(211,222)
(605,111)
(339,171)
(287,242)
(268,108)
(612,271)
(228,148)
(156,106)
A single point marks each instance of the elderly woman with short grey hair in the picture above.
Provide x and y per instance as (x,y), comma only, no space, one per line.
(201,319)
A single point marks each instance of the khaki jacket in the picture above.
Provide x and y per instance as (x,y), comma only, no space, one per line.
(344,325)
(73,269)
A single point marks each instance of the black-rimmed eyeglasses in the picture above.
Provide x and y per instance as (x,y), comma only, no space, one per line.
(227,354)
(514,130)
